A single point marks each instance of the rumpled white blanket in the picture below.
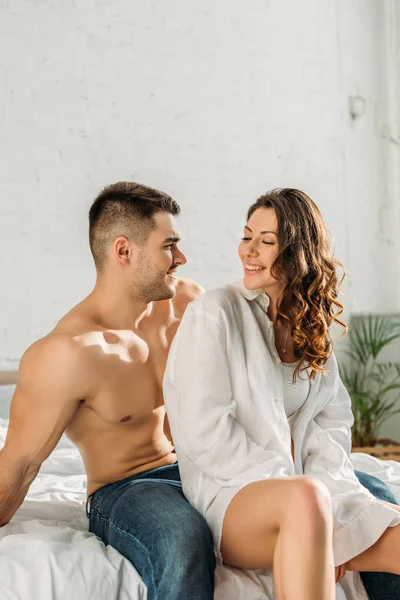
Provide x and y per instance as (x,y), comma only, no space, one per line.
(47,553)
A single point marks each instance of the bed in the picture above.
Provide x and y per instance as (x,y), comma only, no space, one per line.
(47,552)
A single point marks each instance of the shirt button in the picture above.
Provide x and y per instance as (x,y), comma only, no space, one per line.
(278,360)
(270,324)
(278,400)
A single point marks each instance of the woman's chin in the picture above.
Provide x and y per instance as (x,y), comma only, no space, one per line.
(252,283)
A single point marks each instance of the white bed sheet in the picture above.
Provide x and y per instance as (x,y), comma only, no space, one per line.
(47,553)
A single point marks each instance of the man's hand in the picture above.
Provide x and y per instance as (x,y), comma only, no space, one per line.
(48,393)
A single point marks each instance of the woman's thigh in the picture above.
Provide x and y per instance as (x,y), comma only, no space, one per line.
(255,516)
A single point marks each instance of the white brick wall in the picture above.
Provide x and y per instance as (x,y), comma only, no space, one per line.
(215,102)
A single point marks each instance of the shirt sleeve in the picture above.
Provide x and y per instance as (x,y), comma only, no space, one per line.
(201,407)
(359,519)
(327,444)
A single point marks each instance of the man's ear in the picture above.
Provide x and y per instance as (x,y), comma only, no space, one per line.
(123,249)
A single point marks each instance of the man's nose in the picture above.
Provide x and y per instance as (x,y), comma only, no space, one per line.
(180,258)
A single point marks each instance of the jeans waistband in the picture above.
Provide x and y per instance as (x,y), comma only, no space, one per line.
(165,472)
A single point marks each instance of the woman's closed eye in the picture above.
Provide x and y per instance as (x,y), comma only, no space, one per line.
(247,239)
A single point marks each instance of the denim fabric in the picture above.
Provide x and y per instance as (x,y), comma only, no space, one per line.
(149,521)
(379,586)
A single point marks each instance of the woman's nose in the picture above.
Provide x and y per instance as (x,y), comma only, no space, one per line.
(252,249)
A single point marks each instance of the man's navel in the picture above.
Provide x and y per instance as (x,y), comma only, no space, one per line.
(125,419)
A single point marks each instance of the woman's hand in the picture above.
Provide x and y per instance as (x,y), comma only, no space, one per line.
(340,572)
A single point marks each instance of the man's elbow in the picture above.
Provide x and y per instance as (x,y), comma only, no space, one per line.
(4,521)
(12,495)
(16,477)
(17,466)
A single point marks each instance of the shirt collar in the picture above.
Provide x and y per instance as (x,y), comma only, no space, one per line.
(252,294)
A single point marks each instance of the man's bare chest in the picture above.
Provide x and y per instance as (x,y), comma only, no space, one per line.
(127,382)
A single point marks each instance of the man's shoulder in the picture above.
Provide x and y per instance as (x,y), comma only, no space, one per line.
(54,343)
(221,299)
(53,359)
(187,290)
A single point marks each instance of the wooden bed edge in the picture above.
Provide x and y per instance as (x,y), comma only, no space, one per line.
(378,449)
(382,452)
(8,377)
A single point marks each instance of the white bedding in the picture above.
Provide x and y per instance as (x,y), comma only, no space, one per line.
(47,553)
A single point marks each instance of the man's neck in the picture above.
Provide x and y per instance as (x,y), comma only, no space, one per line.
(117,308)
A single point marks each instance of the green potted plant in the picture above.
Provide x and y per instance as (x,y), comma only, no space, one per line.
(372,383)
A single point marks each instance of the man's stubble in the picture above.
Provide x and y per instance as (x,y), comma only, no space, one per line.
(148,284)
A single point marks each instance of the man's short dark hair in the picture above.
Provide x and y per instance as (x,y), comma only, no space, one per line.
(125,208)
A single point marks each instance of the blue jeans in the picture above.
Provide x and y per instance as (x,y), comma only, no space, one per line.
(148,520)
(379,586)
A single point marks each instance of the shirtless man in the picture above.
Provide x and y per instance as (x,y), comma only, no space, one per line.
(98,377)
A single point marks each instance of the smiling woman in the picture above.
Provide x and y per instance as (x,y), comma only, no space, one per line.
(258,249)
(263,445)
(286,252)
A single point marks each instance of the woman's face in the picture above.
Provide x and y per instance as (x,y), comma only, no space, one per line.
(259,249)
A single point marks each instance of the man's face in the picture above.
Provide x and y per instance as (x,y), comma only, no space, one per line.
(153,275)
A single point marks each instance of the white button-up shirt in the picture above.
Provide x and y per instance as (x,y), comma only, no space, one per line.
(223,391)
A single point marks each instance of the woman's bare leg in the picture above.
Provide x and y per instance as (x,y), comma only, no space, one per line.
(383,556)
(285,524)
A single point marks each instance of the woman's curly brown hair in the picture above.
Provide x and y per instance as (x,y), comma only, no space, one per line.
(305,263)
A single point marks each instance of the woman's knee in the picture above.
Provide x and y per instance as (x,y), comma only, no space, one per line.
(311,503)
(310,489)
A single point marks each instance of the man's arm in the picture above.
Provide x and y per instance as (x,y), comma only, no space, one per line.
(48,393)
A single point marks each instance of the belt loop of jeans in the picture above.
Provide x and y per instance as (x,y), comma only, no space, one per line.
(88,503)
